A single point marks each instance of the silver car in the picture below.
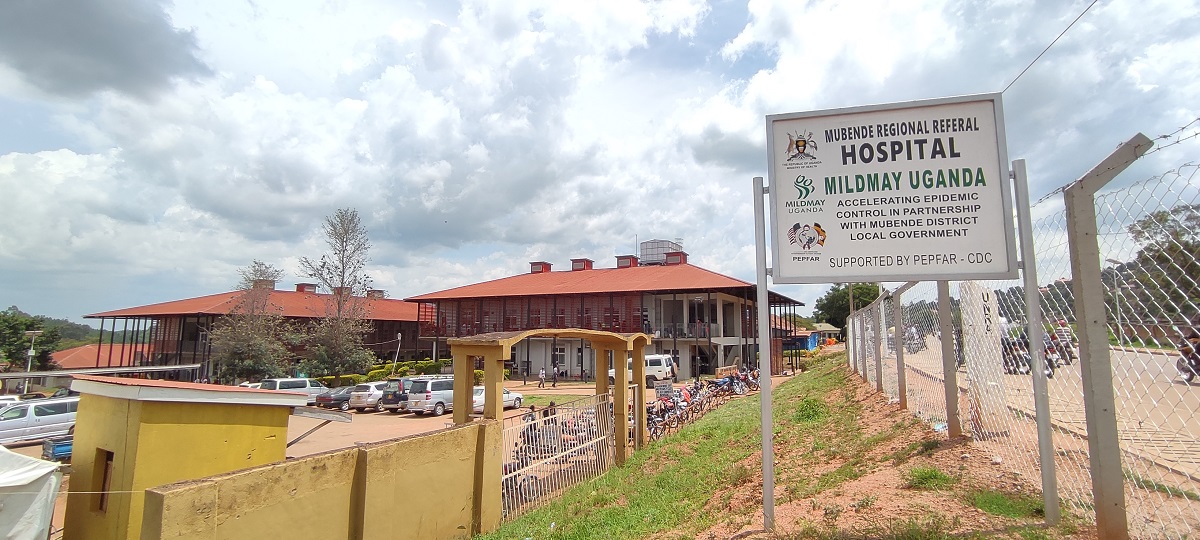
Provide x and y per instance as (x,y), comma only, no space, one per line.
(367,395)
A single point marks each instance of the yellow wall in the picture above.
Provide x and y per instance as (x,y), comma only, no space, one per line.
(421,486)
(156,443)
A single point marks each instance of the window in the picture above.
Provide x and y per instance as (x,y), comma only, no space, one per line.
(287,385)
(269,385)
(51,409)
(443,385)
(559,357)
(102,478)
(14,413)
(315,384)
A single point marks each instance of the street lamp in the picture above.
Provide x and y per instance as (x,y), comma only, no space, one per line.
(32,334)
(1120,284)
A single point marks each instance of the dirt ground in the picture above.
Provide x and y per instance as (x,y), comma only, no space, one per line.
(871,504)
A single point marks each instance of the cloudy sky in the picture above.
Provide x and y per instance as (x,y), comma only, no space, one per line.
(150,149)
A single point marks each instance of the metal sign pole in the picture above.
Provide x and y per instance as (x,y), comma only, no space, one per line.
(1041,395)
(764,357)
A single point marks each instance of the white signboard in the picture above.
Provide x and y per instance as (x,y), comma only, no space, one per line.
(900,192)
(662,388)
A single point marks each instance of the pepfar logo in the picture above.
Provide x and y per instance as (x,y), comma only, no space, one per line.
(806,236)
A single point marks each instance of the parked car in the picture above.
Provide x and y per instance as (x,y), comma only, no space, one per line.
(312,387)
(431,395)
(511,399)
(248,384)
(395,394)
(32,420)
(366,396)
(337,398)
(659,367)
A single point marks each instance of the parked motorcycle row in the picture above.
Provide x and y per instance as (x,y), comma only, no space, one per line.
(692,401)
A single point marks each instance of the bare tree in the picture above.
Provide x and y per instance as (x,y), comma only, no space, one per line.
(342,271)
(335,342)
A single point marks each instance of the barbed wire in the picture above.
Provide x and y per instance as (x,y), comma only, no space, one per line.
(1174,134)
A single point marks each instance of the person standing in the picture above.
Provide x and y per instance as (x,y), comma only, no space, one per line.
(542,378)
(555,383)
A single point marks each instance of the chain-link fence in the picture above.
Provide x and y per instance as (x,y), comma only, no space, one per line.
(1149,240)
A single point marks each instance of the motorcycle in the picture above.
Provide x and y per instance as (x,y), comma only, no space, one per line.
(1053,359)
(1188,363)
(914,343)
(1015,357)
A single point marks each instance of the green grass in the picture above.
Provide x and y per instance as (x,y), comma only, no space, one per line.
(1154,485)
(678,485)
(927,478)
(1007,504)
(542,400)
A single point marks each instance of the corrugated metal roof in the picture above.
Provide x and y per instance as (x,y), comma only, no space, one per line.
(679,277)
(290,304)
(110,354)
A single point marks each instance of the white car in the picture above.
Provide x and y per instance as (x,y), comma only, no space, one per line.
(367,396)
(511,399)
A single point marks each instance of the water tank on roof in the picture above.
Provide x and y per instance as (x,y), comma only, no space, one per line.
(655,251)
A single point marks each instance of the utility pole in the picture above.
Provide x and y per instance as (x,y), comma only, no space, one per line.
(32,334)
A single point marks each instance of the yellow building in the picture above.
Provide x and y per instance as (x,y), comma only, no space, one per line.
(134,434)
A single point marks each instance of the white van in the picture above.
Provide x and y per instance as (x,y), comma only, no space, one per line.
(312,387)
(38,419)
(659,367)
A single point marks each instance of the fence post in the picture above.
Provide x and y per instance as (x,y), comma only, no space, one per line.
(880,343)
(949,365)
(1099,405)
(898,320)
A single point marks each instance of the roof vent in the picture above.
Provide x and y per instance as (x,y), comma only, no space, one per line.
(627,261)
(581,264)
(306,287)
(343,291)
(376,294)
(268,284)
(539,267)
(674,258)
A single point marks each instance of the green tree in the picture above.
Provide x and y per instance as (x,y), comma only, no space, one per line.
(334,343)
(14,344)
(252,341)
(834,306)
(1166,268)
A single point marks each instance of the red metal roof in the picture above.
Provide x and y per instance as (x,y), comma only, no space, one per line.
(678,277)
(85,356)
(290,304)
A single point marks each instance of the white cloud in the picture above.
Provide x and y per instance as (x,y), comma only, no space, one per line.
(475,137)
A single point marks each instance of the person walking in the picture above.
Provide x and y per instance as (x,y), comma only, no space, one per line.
(555,383)
(542,378)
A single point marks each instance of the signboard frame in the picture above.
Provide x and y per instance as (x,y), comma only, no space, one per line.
(784,271)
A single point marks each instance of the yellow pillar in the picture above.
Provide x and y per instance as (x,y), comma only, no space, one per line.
(601,369)
(639,408)
(493,383)
(464,381)
(621,403)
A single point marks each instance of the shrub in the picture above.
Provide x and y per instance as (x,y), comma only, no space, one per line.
(428,367)
(478,377)
(379,374)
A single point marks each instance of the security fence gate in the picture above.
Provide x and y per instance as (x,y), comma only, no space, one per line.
(552,449)
(965,357)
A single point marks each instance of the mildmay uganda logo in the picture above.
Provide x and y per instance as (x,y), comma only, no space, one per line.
(800,146)
(807,236)
(804,186)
